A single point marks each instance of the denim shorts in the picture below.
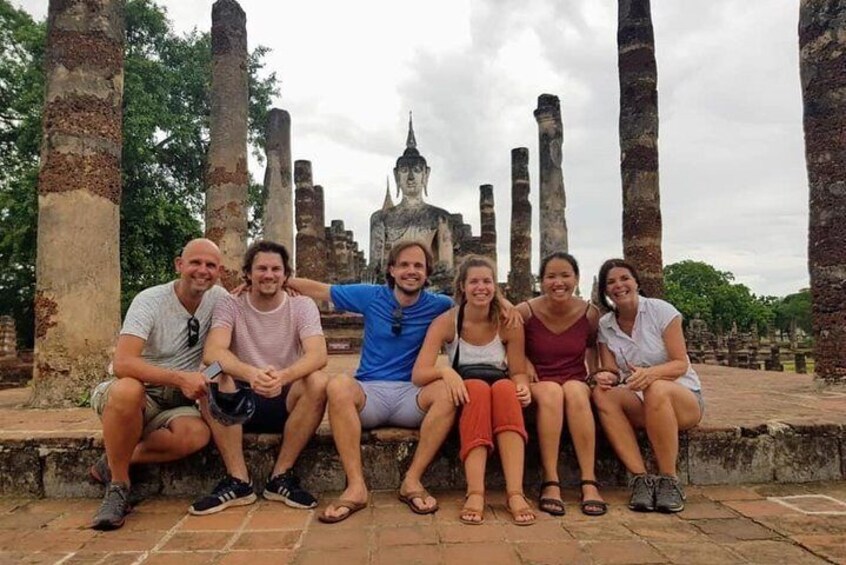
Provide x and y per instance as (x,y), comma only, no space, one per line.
(390,403)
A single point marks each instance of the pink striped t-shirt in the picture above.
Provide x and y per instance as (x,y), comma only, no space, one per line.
(271,338)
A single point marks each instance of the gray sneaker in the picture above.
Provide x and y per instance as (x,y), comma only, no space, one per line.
(643,493)
(113,510)
(100,472)
(669,496)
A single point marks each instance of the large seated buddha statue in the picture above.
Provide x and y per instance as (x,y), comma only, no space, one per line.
(412,218)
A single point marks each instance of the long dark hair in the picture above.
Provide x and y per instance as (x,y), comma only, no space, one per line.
(602,280)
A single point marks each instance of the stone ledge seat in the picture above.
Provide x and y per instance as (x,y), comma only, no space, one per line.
(759,427)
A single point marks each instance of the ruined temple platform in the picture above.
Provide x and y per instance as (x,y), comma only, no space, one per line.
(759,427)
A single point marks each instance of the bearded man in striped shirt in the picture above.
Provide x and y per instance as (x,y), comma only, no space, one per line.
(275,343)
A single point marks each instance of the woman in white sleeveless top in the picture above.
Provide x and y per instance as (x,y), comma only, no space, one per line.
(491,410)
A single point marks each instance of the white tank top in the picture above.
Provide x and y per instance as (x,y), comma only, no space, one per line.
(492,353)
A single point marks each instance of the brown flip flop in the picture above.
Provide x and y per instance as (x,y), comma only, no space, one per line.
(408,499)
(479,512)
(515,514)
(351,505)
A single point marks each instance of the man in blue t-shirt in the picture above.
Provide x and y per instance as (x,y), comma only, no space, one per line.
(396,317)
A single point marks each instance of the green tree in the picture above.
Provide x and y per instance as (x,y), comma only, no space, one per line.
(794,311)
(165,141)
(695,288)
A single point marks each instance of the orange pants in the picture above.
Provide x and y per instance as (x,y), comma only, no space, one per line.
(491,410)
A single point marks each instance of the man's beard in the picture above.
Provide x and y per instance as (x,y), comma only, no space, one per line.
(414,292)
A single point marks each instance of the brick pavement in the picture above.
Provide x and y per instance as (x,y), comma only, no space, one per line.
(749,524)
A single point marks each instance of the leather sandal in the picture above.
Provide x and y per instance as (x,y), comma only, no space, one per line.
(474,512)
(524,512)
(600,507)
(554,506)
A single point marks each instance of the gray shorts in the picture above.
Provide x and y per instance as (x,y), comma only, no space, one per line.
(390,403)
(156,416)
(696,393)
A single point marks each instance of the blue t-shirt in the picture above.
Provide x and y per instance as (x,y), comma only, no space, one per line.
(385,356)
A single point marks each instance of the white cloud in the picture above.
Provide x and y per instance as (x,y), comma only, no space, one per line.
(733,184)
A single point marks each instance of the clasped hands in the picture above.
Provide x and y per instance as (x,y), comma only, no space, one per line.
(459,395)
(269,382)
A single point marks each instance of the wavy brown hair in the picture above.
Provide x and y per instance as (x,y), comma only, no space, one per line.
(461,277)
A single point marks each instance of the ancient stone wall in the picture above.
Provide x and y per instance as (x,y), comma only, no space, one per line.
(8,338)
(279,206)
(553,201)
(79,192)
(227,179)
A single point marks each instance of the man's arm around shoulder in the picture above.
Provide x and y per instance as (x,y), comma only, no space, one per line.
(313,289)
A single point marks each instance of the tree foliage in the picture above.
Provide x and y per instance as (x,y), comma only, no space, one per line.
(697,288)
(166,112)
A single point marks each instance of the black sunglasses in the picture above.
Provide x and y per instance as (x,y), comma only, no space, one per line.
(193,331)
(396,324)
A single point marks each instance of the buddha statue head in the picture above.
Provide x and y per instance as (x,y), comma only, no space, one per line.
(411,172)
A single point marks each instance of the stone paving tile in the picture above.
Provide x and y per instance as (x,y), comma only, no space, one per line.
(830,546)
(488,553)
(462,533)
(347,556)
(255,558)
(546,531)
(409,555)
(223,521)
(406,535)
(598,531)
(16,558)
(703,510)
(696,553)
(124,540)
(66,540)
(734,529)
(277,518)
(26,520)
(619,552)
(677,530)
(100,558)
(554,553)
(775,552)
(722,493)
(267,540)
(193,541)
(337,539)
(803,524)
(181,558)
(759,508)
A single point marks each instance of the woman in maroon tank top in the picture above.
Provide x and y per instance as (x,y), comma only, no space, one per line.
(560,346)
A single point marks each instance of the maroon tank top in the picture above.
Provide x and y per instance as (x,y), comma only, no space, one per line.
(558,357)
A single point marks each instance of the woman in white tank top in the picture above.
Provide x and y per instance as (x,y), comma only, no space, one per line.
(491,409)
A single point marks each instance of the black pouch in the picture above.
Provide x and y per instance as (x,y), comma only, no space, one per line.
(483,372)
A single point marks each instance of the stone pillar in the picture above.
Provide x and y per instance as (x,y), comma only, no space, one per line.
(487,214)
(553,201)
(279,206)
(639,143)
(731,346)
(774,361)
(822,60)
(520,276)
(319,210)
(8,338)
(311,251)
(799,361)
(227,179)
(79,192)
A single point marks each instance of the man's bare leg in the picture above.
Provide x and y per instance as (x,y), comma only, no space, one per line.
(182,437)
(123,422)
(306,404)
(345,398)
(440,415)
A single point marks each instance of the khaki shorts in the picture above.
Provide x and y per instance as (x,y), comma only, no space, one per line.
(155,415)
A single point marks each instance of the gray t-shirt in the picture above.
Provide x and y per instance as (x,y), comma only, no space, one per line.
(158,317)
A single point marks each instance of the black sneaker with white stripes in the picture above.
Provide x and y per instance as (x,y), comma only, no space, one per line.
(228,492)
(286,488)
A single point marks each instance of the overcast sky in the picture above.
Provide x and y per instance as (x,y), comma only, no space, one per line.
(733,184)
